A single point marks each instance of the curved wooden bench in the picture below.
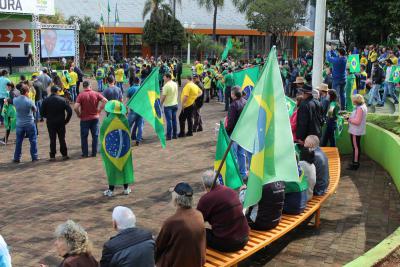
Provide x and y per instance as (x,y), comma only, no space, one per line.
(261,239)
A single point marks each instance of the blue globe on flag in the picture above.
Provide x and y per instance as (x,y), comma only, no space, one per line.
(247,91)
(157,107)
(117,143)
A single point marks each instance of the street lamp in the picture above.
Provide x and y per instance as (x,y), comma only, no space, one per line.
(187,27)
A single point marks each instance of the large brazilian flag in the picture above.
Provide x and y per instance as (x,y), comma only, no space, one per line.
(146,102)
(395,74)
(264,130)
(354,63)
(247,79)
(116,147)
(229,175)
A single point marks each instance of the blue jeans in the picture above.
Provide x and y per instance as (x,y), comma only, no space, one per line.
(30,132)
(339,86)
(374,94)
(220,95)
(136,125)
(389,90)
(93,127)
(329,135)
(295,202)
(100,85)
(170,119)
(243,158)
(120,85)
(38,105)
(72,91)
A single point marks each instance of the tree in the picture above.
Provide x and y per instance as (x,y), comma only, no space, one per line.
(201,44)
(172,33)
(157,9)
(212,5)
(57,18)
(173,4)
(340,19)
(278,17)
(87,32)
(237,50)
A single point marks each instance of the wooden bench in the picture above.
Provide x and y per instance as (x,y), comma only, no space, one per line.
(261,239)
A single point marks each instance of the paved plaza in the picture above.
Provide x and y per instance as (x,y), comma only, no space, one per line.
(36,197)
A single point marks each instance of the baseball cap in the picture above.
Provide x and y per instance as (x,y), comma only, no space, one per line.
(183,189)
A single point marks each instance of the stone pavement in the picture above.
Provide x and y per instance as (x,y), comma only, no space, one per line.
(36,197)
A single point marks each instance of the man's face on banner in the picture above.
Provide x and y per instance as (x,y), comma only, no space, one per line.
(50,40)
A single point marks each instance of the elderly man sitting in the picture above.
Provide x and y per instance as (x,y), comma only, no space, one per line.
(221,207)
(181,241)
(131,246)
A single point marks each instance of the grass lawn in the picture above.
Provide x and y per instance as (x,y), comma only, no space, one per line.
(388,122)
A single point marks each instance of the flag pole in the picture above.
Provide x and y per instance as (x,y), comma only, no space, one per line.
(222,163)
(105,41)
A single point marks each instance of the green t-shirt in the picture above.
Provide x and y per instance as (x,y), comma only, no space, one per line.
(229,81)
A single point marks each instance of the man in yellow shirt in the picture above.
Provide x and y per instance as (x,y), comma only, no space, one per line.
(72,84)
(119,78)
(207,86)
(169,99)
(189,94)
(65,83)
(199,69)
(393,58)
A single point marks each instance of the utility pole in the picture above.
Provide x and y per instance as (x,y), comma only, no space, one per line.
(319,43)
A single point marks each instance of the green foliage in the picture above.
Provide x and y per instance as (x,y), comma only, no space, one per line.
(212,5)
(277,17)
(57,18)
(305,43)
(388,122)
(237,50)
(364,22)
(163,30)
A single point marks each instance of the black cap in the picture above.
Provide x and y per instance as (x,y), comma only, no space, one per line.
(184,189)
(55,89)
(305,89)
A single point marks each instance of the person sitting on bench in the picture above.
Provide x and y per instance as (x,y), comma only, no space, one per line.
(296,195)
(321,165)
(267,213)
(306,163)
(222,209)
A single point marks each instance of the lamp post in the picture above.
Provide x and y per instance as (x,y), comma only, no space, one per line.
(319,42)
(191,27)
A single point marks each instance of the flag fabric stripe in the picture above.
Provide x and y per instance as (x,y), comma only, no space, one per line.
(228,47)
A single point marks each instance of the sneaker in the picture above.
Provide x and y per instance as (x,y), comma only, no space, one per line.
(84,156)
(127,191)
(52,159)
(181,135)
(353,166)
(189,134)
(16,161)
(137,143)
(65,158)
(174,137)
(108,193)
(34,160)
(2,142)
(379,105)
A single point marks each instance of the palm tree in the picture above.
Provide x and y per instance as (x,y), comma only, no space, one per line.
(173,4)
(210,5)
(157,9)
(201,44)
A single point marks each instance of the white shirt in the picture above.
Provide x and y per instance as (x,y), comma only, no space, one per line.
(311,174)
(388,72)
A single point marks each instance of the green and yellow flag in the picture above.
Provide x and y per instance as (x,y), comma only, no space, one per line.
(354,63)
(146,102)
(229,175)
(247,79)
(395,74)
(228,47)
(263,129)
(115,148)
(291,105)
(10,116)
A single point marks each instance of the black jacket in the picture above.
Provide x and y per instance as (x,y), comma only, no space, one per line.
(200,99)
(309,118)
(54,108)
(80,73)
(269,209)
(378,76)
(235,109)
(130,247)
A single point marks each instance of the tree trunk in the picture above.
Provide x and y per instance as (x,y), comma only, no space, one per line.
(174,8)
(156,51)
(274,38)
(215,23)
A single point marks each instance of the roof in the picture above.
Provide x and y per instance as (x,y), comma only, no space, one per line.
(130,13)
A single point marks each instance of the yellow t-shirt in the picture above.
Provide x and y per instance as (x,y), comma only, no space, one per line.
(364,61)
(32,94)
(74,78)
(394,60)
(207,82)
(192,91)
(170,91)
(199,69)
(64,82)
(119,75)
(372,56)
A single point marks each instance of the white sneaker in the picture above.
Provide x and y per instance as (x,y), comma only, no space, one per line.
(108,193)
(127,191)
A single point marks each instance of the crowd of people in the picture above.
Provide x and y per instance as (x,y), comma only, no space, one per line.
(314,122)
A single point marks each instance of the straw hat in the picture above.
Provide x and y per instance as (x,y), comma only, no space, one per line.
(115,107)
(299,80)
(323,87)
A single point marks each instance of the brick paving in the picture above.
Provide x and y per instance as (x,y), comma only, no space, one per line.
(36,197)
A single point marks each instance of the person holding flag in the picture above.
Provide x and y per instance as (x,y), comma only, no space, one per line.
(389,85)
(116,148)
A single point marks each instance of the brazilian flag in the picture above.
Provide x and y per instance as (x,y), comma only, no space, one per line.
(264,130)
(146,102)
(116,145)
(291,105)
(10,116)
(228,47)
(247,79)
(354,63)
(229,175)
(395,74)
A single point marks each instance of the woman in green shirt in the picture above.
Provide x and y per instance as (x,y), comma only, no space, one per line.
(332,116)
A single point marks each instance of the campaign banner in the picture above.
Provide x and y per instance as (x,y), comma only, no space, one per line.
(37,7)
(57,43)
